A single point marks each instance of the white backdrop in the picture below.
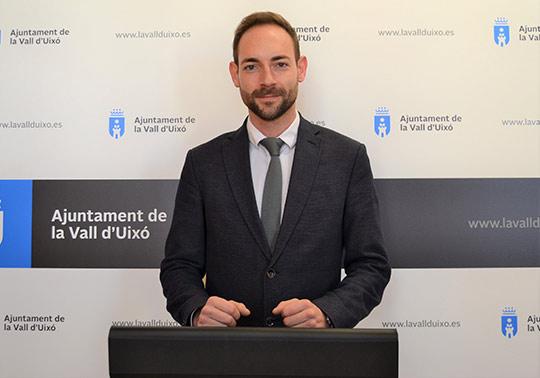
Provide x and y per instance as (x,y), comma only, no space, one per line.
(169,59)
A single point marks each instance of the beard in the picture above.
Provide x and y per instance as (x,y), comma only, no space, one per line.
(270,112)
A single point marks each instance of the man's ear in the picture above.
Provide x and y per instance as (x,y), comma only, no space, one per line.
(302,68)
(233,70)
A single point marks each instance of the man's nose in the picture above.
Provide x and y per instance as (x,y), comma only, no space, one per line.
(267,76)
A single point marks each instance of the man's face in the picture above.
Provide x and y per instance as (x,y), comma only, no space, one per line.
(267,72)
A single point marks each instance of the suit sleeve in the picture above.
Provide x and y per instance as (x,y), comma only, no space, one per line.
(183,267)
(365,261)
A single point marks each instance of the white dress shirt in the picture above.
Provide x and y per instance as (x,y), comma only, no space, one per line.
(259,158)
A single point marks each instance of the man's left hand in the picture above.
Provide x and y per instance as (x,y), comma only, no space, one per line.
(300,313)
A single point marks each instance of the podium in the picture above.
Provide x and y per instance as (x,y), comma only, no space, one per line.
(252,352)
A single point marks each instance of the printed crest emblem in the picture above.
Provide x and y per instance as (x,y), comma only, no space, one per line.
(501,32)
(509,326)
(382,121)
(117,123)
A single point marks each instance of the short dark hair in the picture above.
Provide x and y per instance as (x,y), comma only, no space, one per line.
(264,18)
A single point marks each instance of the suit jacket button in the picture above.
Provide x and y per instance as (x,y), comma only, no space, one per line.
(269,321)
(271,273)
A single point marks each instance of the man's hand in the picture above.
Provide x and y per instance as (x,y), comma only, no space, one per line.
(219,312)
(300,313)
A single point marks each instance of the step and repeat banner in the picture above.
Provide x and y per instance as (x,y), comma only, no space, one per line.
(101,100)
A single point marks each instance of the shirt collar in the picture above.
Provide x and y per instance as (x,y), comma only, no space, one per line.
(289,136)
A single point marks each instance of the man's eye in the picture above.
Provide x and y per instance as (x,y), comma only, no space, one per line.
(282,64)
(250,67)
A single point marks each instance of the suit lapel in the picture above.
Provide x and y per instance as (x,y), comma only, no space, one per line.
(237,167)
(305,164)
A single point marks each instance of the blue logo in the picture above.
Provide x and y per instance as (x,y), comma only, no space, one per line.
(15,223)
(501,31)
(509,326)
(1,223)
(382,121)
(117,126)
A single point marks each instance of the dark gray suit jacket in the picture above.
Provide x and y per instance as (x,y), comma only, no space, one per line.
(330,220)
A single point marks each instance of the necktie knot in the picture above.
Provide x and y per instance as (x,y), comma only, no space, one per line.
(273,145)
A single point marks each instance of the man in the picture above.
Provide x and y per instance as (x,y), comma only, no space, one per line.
(259,272)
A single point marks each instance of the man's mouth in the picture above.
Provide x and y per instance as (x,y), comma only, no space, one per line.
(268,94)
(269,98)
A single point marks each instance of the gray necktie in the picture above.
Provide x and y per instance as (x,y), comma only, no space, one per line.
(271,201)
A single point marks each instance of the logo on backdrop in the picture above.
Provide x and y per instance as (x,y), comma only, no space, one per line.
(1,223)
(382,121)
(501,31)
(117,124)
(509,326)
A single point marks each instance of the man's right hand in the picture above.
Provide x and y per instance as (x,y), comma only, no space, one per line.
(219,312)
